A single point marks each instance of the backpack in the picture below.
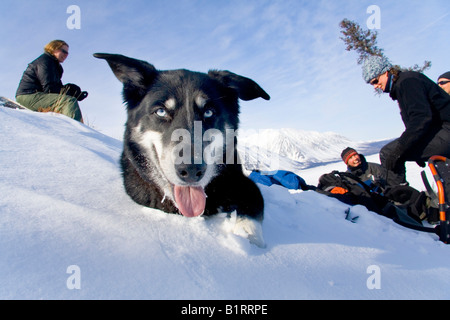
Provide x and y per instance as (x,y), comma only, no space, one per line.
(349,189)
(283,178)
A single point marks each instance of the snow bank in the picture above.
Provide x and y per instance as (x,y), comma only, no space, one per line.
(69,231)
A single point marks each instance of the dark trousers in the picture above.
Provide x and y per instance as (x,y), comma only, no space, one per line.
(414,201)
(439,144)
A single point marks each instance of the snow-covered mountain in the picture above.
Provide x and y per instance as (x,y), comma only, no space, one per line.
(69,231)
(272,149)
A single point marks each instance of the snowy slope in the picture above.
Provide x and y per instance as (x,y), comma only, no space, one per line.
(62,204)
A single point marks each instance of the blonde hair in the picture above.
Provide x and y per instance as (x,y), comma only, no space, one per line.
(54,45)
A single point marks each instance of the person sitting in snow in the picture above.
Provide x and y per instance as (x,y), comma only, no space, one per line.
(368,172)
(374,175)
(425,111)
(41,89)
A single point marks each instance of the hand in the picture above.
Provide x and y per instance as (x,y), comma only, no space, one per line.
(72,89)
(75,91)
(82,96)
(421,163)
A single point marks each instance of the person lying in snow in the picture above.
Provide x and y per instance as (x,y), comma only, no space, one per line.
(374,176)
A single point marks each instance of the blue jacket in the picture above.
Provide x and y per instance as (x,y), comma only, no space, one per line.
(280,177)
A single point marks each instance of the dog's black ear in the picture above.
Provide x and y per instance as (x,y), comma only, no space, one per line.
(246,88)
(136,75)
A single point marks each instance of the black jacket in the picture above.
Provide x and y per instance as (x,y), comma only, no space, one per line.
(369,171)
(424,107)
(42,75)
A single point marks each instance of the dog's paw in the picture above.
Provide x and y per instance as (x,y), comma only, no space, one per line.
(251,229)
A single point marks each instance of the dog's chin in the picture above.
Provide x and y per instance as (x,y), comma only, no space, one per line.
(190,200)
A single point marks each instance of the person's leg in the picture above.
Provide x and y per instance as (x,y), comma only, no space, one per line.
(415,201)
(52,102)
(439,145)
(398,176)
(28,101)
(68,106)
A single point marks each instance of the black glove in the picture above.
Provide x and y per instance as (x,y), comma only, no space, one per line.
(421,163)
(82,96)
(73,90)
(392,160)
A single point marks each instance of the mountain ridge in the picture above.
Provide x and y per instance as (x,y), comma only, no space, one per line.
(294,149)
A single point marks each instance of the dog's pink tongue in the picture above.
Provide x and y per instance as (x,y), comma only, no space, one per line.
(191,201)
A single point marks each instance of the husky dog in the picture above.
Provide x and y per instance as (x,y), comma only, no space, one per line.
(179,151)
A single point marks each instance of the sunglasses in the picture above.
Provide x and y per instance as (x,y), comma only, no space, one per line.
(64,51)
(374,82)
(441,83)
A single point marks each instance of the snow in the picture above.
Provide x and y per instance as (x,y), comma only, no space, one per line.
(69,231)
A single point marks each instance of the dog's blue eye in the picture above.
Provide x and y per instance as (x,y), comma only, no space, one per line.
(208,113)
(161,112)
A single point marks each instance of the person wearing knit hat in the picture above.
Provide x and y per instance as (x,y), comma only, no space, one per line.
(375,66)
(358,166)
(444,81)
(425,112)
(347,154)
(375,176)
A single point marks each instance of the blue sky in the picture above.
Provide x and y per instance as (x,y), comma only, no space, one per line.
(291,48)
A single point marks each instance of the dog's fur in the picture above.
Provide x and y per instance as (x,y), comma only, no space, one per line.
(164,106)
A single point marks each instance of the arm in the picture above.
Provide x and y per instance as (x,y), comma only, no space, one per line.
(416,112)
(49,75)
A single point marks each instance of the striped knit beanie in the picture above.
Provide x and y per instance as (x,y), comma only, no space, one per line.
(347,154)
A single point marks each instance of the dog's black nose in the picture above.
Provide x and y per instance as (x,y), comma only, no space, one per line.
(191,173)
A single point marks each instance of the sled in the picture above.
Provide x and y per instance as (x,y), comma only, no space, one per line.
(8,103)
(440,168)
